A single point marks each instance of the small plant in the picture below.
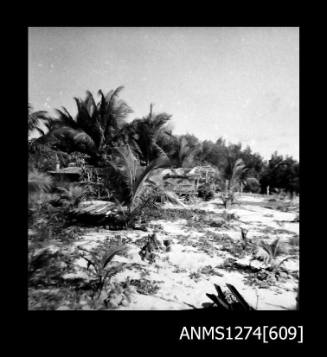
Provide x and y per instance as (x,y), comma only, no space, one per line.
(145,286)
(245,241)
(205,192)
(98,264)
(227,198)
(229,216)
(148,251)
(119,294)
(219,222)
(196,276)
(167,244)
(273,252)
(72,195)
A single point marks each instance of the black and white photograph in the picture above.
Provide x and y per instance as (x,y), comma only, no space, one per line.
(163,168)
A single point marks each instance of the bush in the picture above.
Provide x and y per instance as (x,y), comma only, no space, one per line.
(205,192)
(43,158)
(252,185)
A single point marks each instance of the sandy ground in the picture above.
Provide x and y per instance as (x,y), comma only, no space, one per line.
(184,275)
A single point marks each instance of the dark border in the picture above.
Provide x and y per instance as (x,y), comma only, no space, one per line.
(142,326)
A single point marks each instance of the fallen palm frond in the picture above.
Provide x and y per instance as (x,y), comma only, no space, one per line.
(235,302)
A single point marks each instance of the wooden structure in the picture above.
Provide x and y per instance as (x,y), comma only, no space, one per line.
(70,174)
(184,181)
(203,174)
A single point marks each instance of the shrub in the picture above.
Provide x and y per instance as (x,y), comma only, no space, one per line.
(205,192)
(43,158)
(227,198)
(229,216)
(98,263)
(252,185)
(274,252)
(148,251)
(72,195)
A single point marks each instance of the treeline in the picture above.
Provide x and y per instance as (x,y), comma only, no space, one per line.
(279,172)
(100,127)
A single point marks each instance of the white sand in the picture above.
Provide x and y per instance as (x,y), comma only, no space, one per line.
(178,272)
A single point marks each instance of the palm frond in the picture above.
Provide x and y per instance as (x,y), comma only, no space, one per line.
(239,297)
(65,119)
(275,247)
(90,104)
(111,253)
(128,167)
(40,131)
(285,259)
(155,164)
(87,118)
(34,118)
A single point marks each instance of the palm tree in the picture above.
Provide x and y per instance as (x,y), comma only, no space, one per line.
(95,126)
(234,173)
(142,135)
(35,118)
(182,153)
(136,190)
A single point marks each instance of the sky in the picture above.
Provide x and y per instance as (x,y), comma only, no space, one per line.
(238,83)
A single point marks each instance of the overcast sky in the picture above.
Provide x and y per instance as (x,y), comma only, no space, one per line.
(239,83)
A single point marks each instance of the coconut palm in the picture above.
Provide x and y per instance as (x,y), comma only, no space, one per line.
(232,175)
(35,119)
(133,175)
(95,126)
(135,190)
(182,153)
(142,135)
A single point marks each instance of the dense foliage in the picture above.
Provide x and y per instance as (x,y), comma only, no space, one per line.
(99,128)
